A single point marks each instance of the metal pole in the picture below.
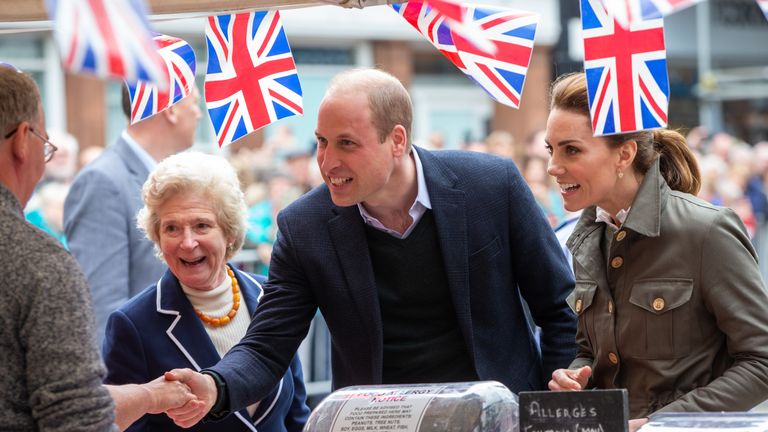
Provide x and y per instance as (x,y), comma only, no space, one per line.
(710,108)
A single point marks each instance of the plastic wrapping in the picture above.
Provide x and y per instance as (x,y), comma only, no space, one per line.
(485,406)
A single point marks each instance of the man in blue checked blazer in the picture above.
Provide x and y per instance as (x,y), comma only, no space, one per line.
(421,263)
(100,209)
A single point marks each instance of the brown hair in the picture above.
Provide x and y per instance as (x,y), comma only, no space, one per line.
(125,101)
(677,162)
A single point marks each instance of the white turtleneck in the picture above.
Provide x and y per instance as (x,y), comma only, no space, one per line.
(218,302)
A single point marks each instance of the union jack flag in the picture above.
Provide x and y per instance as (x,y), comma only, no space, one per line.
(251,79)
(501,74)
(628,12)
(763,6)
(626,71)
(146,98)
(107,38)
(454,15)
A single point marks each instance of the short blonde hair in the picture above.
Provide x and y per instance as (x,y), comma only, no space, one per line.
(209,175)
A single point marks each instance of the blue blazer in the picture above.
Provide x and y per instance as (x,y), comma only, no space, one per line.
(158,330)
(498,250)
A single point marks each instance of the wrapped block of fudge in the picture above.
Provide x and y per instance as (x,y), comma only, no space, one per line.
(485,406)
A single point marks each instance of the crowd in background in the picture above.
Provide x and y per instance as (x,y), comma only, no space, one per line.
(734,174)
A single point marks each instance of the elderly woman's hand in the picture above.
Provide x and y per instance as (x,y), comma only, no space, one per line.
(570,379)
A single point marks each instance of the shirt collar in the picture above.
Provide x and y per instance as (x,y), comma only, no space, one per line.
(604,216)
(144,157)
(420,205)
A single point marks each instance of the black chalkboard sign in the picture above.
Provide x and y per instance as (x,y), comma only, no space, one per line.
(574,411)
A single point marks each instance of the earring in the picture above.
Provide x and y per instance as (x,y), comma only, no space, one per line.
(621,175)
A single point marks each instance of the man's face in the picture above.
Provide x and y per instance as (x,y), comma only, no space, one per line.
(354,164)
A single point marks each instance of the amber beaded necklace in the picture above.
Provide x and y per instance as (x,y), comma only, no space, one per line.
(225,319)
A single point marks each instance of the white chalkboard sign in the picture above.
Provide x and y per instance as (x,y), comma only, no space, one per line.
(574,411)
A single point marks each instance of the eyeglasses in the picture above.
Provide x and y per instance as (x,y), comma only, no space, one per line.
(48,148)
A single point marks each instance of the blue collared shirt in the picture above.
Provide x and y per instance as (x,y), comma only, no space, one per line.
(417,210)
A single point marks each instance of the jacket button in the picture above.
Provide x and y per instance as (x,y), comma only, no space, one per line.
(613,358)
(658,304)
(617,262)
(610,307)
(578,306)
(620,236)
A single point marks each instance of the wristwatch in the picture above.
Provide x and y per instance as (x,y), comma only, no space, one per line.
(220,408)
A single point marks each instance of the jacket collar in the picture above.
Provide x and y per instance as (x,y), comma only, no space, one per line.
(9,201)
(645,215)
(185,329)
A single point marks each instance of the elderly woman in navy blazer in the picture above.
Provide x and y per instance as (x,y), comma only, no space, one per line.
(194,212)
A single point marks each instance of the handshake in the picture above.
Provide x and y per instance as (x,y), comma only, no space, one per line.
(184,395)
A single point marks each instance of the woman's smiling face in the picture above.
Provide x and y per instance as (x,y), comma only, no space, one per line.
(584,166)
(192,242)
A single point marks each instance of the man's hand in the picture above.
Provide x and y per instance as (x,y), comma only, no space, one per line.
(202,386)
(134,400)
(570,379)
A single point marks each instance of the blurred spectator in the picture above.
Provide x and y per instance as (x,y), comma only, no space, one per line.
(63,167)
(720,145)
(48,212)
(436,141)
(281,191)
(756,185)
(87,155)
(501,143)
(475,146)
(697,138)
(536,146)
(280,142)
(544,191)
(713,169)
(297,163)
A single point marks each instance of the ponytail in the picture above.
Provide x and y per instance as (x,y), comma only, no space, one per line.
(677,163)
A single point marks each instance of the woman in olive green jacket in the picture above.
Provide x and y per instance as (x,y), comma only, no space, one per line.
(670,301)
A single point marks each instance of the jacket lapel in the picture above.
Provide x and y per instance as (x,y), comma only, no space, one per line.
(347,232)
(449,210)
(185,330)
(583,243)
